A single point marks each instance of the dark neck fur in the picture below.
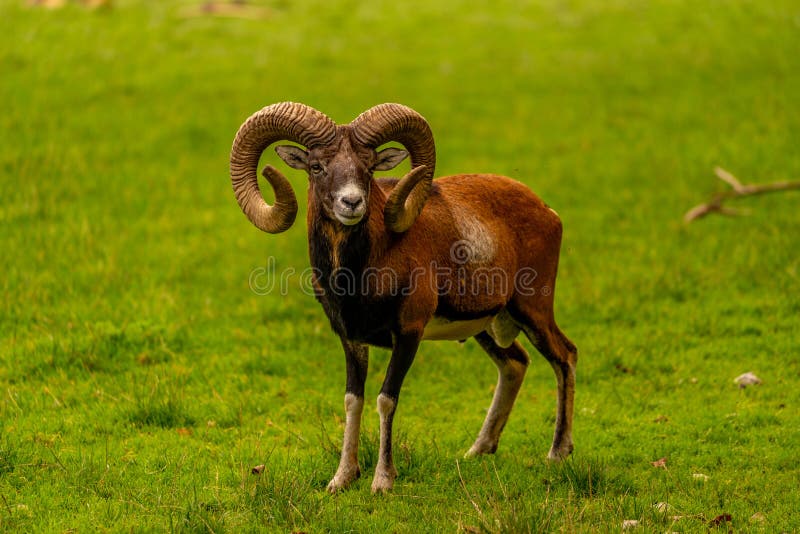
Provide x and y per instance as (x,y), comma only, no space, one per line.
(339,251)
(333,246)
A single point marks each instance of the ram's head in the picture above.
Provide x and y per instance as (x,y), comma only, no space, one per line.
(339,161)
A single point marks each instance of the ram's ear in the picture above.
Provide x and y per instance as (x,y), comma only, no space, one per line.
(389,158)
(294,157)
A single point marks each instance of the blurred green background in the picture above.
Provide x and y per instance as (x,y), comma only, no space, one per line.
(141,378)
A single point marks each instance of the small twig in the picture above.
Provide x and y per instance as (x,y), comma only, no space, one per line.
(466,491)
(715,205)
(55,399)
(725,176)
(13,401)
(58,460)
(8,506)
(287,431)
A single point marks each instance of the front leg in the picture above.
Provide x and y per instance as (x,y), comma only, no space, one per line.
(357,357)
(405,348)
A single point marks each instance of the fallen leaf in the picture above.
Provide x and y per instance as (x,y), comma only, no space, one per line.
(630,523)
(257,470)
(661,419)
(661,462)
(722,518)
(662,506)
(758,517)
(747,379)
(699,476)
(623,369)
(185,431)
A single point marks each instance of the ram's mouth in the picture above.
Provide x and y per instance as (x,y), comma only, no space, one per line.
(348,220)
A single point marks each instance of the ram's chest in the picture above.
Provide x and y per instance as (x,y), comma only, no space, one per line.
(359,319)
(346,289)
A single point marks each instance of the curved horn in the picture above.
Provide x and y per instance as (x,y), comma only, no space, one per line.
(290,121)
(395,122)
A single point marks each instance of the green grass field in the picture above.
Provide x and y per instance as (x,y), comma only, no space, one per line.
(141,379)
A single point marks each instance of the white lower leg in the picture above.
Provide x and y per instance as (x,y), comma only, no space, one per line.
(385,471)
(348,469)
(510,376)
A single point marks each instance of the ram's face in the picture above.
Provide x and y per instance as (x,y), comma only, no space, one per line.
(341,174)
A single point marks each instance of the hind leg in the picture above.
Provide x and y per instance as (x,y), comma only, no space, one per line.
(562,437)
(562,355)
(511,362)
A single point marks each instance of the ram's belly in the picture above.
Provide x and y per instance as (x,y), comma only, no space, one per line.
(440,328)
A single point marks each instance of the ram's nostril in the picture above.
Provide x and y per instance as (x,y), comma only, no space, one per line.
(352,201)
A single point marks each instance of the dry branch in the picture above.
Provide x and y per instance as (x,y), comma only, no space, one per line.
(715,205)
(57,4)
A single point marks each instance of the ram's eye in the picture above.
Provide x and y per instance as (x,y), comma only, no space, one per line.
(316,168)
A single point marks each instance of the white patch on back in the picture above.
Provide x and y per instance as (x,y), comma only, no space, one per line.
(476,239)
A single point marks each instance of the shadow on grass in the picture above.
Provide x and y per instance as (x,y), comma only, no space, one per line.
(589,478)
(9,456)
(498,500)
(103,347)
(162,406)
